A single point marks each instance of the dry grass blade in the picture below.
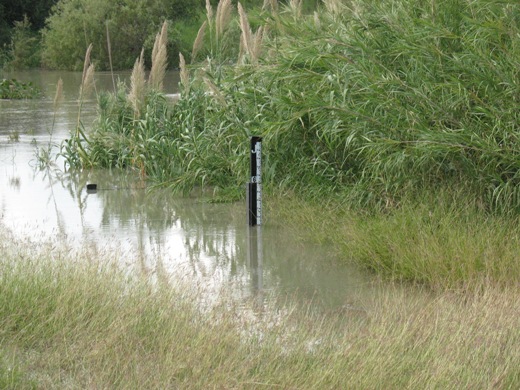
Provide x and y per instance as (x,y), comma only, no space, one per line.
(199,41)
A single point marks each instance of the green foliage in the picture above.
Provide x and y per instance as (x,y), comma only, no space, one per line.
(25,46)
(180,146)
(12,377)
(130,24)
(12,11)
(384,100)
(14,89)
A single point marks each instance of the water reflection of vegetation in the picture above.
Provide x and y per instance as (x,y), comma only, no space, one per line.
(111,331)
(209,230)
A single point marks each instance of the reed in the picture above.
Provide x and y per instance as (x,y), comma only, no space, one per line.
(44,155)
(87,83)
(58,96)
(209,12)
(159,59)
(109,50)
(222,18)
(184,74)
(199,41)
(136,96)
(246,38)
(378,105)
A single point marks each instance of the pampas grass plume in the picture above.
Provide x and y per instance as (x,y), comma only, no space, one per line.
(199,41)
(209,11)
(159,59)
(223,17)
(137,85)
(87,84)
(183,73)
(246,30)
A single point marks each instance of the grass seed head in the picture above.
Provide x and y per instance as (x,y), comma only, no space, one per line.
(246,30)
(209,11)
(223,17)
(159,59)
(199,41)
(137,85)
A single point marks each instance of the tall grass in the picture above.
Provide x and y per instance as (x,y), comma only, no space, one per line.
(440,241)
(70,321)
(382,100)
(386,106)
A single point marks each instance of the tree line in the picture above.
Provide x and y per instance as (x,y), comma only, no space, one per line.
(54,34)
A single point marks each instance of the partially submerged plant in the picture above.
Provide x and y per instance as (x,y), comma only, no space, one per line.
(15,89)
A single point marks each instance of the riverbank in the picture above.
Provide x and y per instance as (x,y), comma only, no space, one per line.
(442,241)
(78,321)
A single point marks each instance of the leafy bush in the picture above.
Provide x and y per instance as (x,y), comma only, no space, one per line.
(25,46)
(129,24)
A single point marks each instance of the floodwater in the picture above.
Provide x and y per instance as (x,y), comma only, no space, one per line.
(209,245)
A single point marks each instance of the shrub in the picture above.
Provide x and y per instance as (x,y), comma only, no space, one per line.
(130,25)
(25,46)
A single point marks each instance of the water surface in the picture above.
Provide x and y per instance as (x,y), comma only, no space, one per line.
(153,232)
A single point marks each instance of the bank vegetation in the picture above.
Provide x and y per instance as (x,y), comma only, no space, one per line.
(402,114)
(75,319)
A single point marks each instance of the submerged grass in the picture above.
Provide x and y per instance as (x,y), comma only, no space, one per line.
(431,241)
(68,321)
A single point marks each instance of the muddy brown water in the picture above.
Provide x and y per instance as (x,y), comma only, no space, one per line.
(209,245)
